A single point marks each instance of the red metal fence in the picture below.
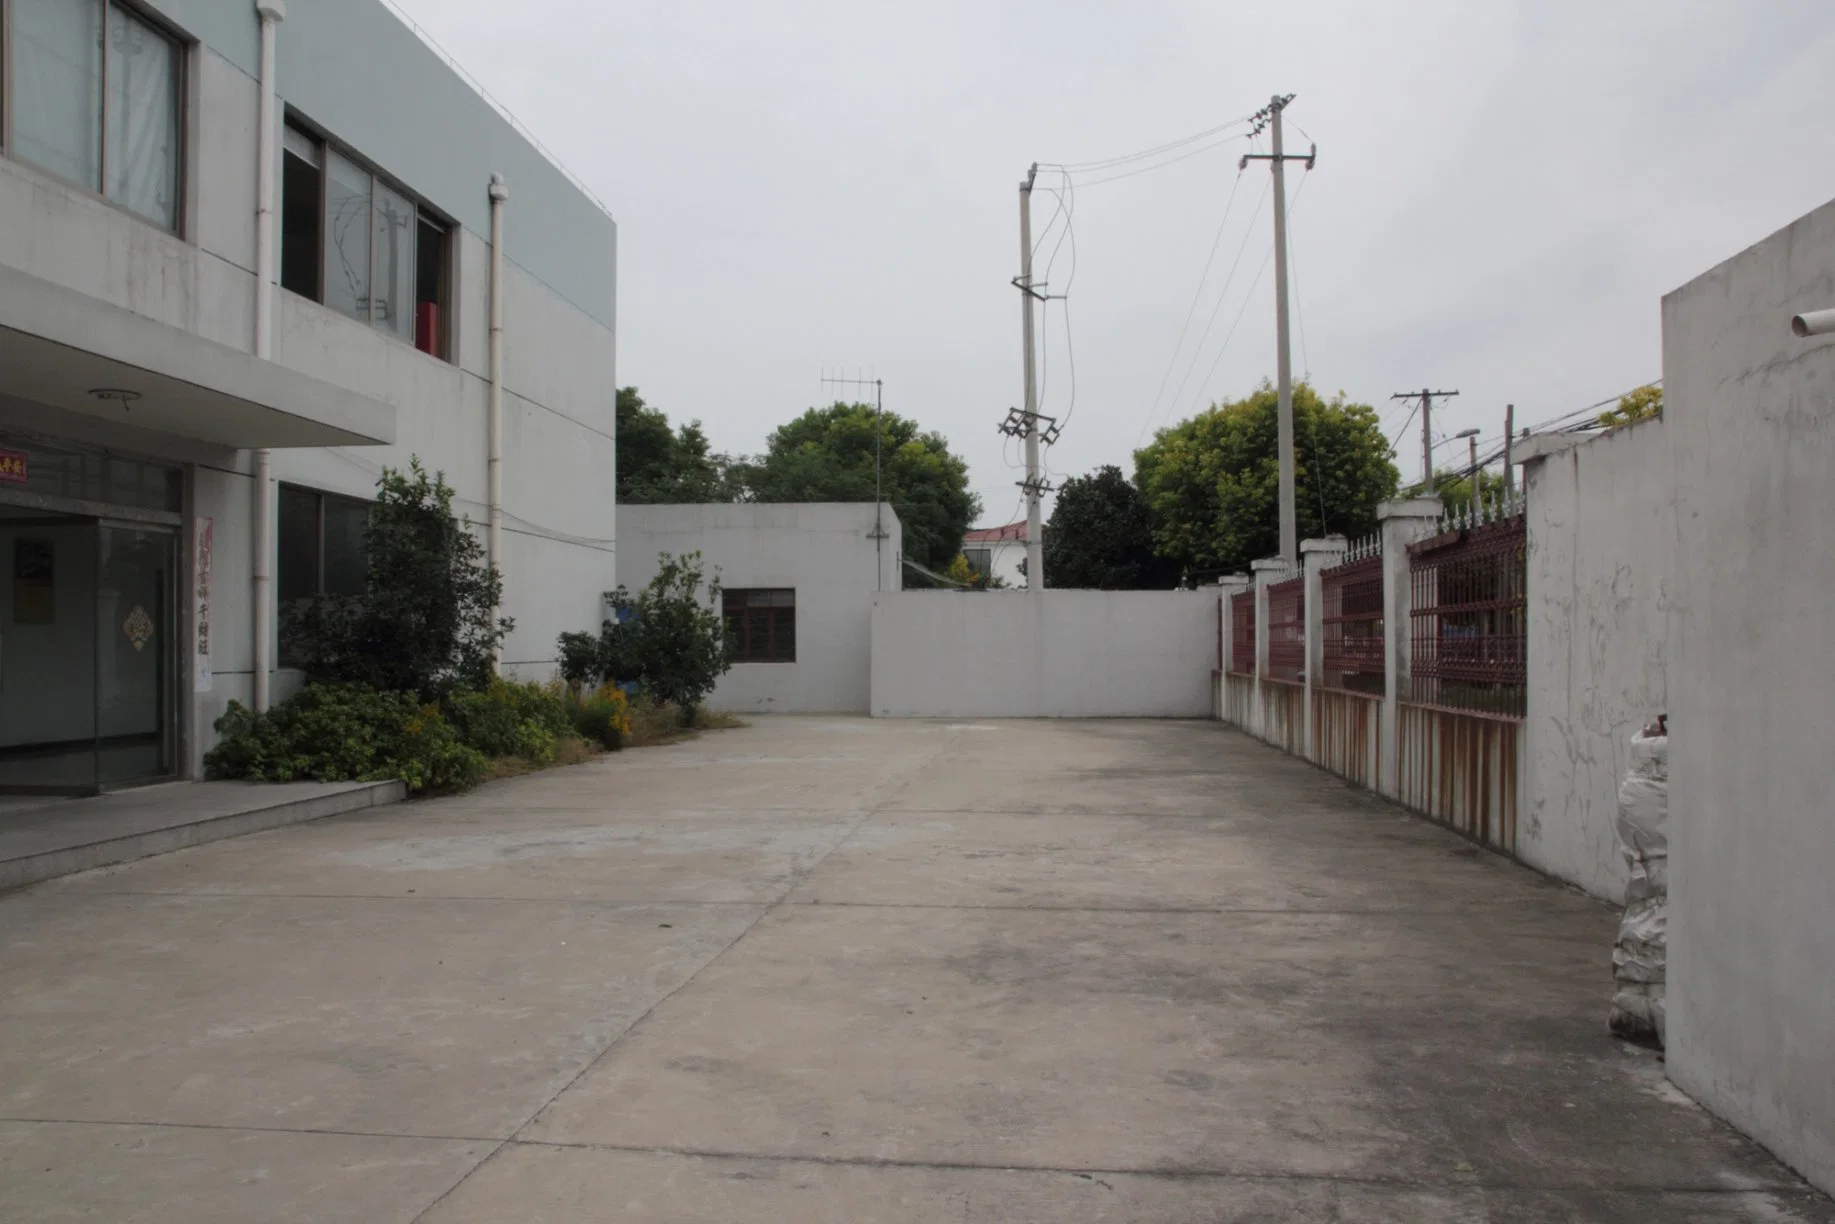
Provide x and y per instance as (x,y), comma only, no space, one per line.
(1468,622)
(1287,630)
(1352,624)
(1242,633)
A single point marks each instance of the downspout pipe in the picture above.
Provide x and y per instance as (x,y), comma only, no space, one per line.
(267,155)
(494,408)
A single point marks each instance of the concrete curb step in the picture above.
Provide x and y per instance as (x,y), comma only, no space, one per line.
(76,835)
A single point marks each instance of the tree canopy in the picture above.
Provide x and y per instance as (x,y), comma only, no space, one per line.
(827,455)
(1101,537)
(1638,405)
(1213,482)
(658,464)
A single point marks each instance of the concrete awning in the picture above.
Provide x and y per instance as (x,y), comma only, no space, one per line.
(58,347)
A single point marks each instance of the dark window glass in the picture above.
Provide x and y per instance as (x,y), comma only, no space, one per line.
(762,624)
(321,553)
(301,205)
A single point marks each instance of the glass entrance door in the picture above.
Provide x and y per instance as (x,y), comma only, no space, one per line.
(136,739)
(88,653)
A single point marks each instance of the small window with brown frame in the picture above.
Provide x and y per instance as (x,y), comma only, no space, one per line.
(761,624)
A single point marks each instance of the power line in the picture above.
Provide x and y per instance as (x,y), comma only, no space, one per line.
(1162,164)
(1197,296)
(1107,163)
(1222,294)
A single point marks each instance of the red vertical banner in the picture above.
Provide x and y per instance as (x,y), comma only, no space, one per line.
(203,540)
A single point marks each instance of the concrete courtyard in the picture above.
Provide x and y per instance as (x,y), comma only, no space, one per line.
(843,970)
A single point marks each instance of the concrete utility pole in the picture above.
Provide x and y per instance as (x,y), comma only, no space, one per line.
(1283,359)
(1471,471)
(1509,429)
(1034,486)
(1427,433)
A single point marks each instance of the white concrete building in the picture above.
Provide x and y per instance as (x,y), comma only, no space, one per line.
(799,579)
(245,262)
(1000,551)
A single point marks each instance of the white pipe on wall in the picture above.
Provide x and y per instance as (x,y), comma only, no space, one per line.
(494,412)
(1814,323)
(272,13)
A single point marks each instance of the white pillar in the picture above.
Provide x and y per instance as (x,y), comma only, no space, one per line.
(267,156)
(1264,573)
(1404,521)
(1316,556)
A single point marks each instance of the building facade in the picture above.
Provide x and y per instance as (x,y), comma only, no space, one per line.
(998,551)
(246,262)
(798,583)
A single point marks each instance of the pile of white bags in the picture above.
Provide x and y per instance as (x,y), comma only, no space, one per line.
(1638,957)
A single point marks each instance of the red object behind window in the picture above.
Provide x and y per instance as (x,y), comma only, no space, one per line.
(427,327)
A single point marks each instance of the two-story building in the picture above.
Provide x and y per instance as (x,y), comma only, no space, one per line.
(251,253)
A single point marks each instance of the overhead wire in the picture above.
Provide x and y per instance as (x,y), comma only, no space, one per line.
(1222,295)
(1197,294)
(1108,162)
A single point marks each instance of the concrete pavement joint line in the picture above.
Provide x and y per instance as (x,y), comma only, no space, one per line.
(604,902)
(963,1166)
(257,1129)
(796,879)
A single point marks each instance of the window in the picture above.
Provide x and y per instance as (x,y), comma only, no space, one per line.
(352,241)
(761,624)
(321,551)
(980,560)
(92,96)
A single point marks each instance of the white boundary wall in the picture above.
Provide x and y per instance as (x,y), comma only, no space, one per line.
(1049,654)
(1600,520)
(1750,426)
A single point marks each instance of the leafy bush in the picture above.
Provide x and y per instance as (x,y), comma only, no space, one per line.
(663,638)
(426,621)
(603,718)
(506,719)
(344,733)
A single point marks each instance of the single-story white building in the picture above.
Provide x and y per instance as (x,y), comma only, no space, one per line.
(1000,551)
(798,581)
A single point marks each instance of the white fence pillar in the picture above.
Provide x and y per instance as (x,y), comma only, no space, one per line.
(1404,521)
(1316,556)
(1264,573)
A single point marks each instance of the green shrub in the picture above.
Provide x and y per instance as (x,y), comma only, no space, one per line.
(603,718)
(664,637)
(507,719)
(426,622)
(344,733)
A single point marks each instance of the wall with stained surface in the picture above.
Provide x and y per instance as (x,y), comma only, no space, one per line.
(1600,520)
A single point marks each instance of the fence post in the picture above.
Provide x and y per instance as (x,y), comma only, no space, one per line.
(1264,573)
(1316,556)
(1229,586)
(1404,521)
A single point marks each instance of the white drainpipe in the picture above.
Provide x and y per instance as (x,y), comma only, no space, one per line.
(272,13)
(494,412)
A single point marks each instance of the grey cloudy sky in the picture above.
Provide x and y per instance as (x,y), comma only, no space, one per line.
(1504,191)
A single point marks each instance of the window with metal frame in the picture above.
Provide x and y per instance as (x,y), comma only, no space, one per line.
(1242,633)
(322,552)
(360,245)
(1352,625)
(761,624)
(1287,630)
(91,93)
(1468,627)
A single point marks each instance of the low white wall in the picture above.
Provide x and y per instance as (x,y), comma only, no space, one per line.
(1599,524)
(824,551)
(1750,425)
(1046,654)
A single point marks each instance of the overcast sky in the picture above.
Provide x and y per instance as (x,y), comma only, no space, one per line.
(1503,193)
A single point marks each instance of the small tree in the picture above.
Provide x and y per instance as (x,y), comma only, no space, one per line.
(1638,405)
(664,637)
(425,623)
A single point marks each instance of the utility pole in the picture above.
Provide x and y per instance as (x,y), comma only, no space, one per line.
(1471,471)
(1283,359)
(1427,399)
(879,497)
(1509,429)
(1034,486)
